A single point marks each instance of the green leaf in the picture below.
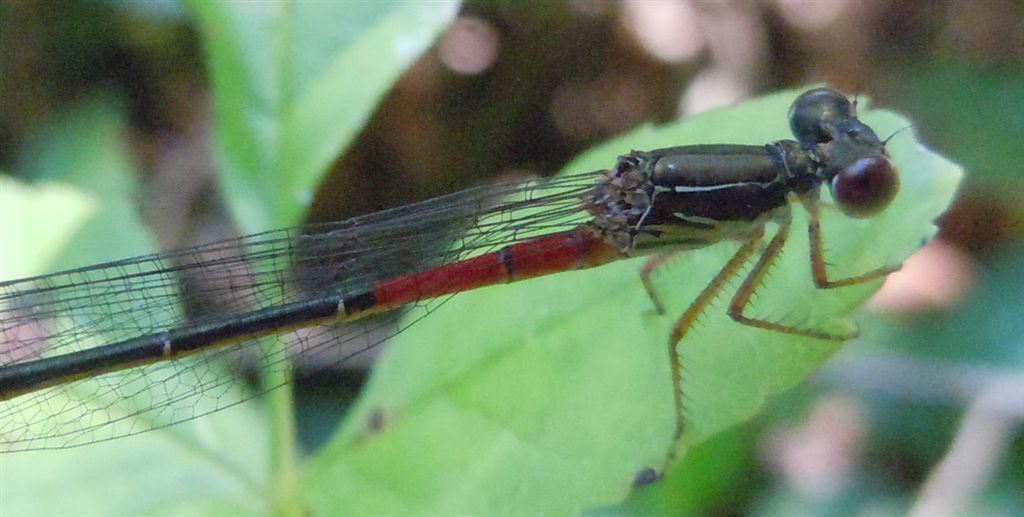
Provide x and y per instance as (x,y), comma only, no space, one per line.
(37,221)
(143,475)
(548,396)
(84,148)
(294,82)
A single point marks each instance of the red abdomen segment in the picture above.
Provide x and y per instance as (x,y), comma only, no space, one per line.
(577,249)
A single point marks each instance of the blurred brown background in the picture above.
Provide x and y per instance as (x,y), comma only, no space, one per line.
(512,88)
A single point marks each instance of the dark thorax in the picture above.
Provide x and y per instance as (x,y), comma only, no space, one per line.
(693,196)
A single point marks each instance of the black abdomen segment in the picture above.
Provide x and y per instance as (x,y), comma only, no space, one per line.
(28,376)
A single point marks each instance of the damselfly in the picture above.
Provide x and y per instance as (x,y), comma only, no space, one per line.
(129,330)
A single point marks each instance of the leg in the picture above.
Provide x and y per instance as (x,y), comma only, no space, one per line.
(819,267)
(753,281)
(683,324)
(649,268)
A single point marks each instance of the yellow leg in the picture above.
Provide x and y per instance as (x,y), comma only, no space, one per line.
(745,293)
(648,270)
(683,324)
(753,281)
(819,267)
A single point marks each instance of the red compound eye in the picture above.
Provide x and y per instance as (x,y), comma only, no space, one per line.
(865,187)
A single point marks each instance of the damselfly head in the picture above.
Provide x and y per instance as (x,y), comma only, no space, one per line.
(853,160)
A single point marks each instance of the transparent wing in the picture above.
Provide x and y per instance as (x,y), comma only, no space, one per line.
(61,313)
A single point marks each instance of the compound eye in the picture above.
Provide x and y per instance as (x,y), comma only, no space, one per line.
(865,187)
